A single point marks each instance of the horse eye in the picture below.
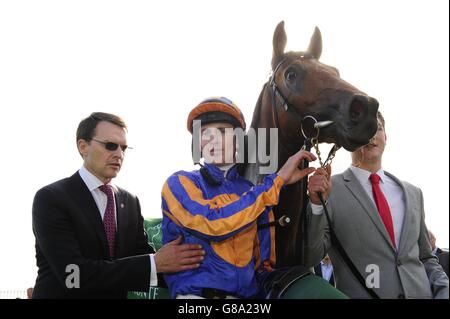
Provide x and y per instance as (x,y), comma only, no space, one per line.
(291,75)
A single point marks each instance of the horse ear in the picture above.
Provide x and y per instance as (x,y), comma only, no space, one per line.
(315,45)
(279,43)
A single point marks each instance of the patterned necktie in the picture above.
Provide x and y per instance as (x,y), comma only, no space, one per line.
(109,219)
(382,205)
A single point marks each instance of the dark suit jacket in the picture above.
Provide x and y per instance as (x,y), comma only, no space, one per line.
(318,272)
(443,259)
(69,231)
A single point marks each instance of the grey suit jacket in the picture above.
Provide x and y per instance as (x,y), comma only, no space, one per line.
(443,259)
(410,271)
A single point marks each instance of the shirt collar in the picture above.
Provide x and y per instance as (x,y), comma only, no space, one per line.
(91,181)
(363,176)
(218,174)
(324,265)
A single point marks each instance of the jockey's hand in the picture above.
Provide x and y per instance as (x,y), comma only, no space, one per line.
(290,172)
(319,182)
(175,256)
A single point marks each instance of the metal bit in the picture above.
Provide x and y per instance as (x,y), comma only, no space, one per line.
(322,124)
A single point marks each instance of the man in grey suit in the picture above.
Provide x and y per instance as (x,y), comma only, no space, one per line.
(380,223)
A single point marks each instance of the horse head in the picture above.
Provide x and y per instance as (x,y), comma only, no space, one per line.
(301,92)
(312,88)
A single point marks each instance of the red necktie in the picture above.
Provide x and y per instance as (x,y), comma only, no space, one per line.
(109,219)
(382,205)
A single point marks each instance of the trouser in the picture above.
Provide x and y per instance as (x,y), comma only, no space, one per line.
(296,283)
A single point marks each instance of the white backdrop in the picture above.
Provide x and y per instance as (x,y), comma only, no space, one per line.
(151,62)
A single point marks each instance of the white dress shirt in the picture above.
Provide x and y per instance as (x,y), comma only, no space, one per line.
(100,198)
(392,191)
(327,271)
(434,252)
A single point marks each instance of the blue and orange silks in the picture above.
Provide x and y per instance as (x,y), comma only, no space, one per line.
(224,219)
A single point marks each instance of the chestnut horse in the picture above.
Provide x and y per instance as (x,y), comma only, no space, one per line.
(300,85)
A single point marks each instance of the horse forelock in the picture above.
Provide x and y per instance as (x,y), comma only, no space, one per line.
(291,56)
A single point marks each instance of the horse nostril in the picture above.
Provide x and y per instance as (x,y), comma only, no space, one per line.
(357,108)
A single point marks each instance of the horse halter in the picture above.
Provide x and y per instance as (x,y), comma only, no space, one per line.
(277,93)
(309,141)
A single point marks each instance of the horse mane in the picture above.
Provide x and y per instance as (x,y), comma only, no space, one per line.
(257,110)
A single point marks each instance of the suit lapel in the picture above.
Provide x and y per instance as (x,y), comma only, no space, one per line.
(83,197)
(122,221)
(352,183)
(407,217)
(319,270)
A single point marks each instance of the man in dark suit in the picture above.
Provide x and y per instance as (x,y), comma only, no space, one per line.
(442,255)
(90,239)
(380,222)
(325,270)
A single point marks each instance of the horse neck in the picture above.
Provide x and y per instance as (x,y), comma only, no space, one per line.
(265,116)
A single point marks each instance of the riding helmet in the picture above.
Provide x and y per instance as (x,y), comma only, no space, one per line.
(214,110)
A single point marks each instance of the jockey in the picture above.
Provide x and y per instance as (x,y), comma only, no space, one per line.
(220,210)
